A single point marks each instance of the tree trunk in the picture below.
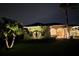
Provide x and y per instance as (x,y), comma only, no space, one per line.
(12,43)
(67,22)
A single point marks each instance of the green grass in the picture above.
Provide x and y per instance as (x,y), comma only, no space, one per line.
(59,47)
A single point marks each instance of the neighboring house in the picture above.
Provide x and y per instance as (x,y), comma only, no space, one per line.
(74,32)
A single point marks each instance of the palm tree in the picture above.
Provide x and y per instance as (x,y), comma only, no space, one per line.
(10,29)
(66,7)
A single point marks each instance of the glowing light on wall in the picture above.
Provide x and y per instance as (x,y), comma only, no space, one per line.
(59,32)
(53,32)
(37,35)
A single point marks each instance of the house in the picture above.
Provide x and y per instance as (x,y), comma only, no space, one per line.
(36,31)
(74,32)
(51,30)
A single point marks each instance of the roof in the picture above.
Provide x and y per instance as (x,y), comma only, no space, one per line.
(41,24)
(49,24)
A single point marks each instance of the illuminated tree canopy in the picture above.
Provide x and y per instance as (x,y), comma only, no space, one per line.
(39,28)
(10,29)
(14,27)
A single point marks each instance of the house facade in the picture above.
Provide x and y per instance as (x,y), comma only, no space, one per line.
(58,31)
(36,32)
(74,32)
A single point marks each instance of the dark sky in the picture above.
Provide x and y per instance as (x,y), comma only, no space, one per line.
(29,13)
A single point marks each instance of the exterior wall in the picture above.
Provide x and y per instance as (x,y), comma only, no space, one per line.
(59,32)
(37,32)
(74,32)
(55,31)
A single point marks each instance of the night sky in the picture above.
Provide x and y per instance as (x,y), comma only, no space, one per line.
(29,13)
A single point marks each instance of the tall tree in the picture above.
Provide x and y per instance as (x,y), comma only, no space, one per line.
(66,7)
(10,28)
